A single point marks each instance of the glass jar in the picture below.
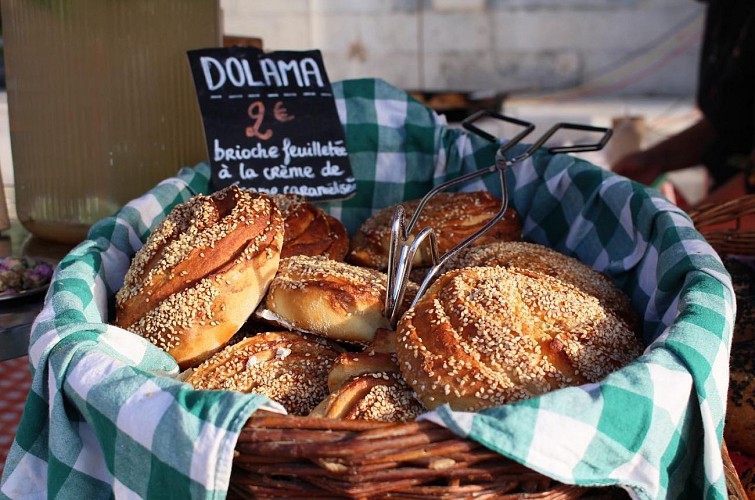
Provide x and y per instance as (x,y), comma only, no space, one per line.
(101,103)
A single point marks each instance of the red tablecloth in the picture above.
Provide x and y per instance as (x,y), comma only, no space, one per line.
(15,380)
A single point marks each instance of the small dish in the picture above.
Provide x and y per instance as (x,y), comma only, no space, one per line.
(24,276)
(12,295)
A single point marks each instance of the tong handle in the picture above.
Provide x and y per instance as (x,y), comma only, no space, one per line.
(402,249)
(467,123)
(576,148)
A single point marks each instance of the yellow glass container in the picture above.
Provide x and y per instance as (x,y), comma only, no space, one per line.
(101,103)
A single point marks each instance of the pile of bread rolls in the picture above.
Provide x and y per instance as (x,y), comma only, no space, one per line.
(269,295)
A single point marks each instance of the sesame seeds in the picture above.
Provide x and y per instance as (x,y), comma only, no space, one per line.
(287,367)
(390,401)
(300,271)
(172,289)
(198,224)
(491,335)
(288,203)
(376,396)
(179,311)
(550,262)
(252,362)
(453,216)
(546,342)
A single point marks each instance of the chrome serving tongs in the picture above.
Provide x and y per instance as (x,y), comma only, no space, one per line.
(403,248)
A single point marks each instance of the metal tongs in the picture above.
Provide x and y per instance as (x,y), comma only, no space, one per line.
(403,249)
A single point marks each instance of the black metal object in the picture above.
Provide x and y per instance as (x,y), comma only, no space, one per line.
(403,248)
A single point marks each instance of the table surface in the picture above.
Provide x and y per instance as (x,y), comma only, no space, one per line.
(15,381)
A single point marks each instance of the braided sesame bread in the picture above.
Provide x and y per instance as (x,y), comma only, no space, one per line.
(374,396)
(548,261)
(368,386)
(327,298)
(288,367)
(201,273)
(354,364)
(485,336)
(739,430)
(378,357)
(309,230)
(453,216)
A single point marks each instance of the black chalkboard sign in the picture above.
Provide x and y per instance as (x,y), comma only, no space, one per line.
(271,123)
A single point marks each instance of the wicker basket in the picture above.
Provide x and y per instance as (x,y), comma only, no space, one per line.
(302,457)
(730,229)
(727,226)
(293,457)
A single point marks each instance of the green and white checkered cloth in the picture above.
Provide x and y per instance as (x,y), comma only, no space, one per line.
(106,416)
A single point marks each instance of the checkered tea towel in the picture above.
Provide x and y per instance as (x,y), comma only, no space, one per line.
(106,416)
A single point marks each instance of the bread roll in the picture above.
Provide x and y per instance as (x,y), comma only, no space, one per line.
(309,230)
(381,397)
(327,298)
(289,368)
(548,261)
(201,273)
(739,430)
(453,216)
(369,386)
(384,341)
(378,357)
(351,364)
(485,336)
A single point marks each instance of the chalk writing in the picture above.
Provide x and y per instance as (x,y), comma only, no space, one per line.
(237,152)
(271,122)
(262,72)
(281,113)
(256,112)
(288,172)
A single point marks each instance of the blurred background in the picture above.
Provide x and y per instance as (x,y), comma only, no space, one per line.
(617,47)
(630,64)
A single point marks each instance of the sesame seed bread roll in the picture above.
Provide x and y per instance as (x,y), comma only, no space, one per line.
(328,298)
(384,341)
(368,386)
(378,357)
(309,230)
(739,430)
(379,397)
(484,336)
(350,365)
(201,273)
(288,367)
(548,261)
(453,216)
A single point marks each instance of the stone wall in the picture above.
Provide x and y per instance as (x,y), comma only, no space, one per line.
(603,47)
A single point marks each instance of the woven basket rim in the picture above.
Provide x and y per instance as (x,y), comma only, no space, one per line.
(288,456)
(291,456)
(298,456)
(712,213)
(721,225)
